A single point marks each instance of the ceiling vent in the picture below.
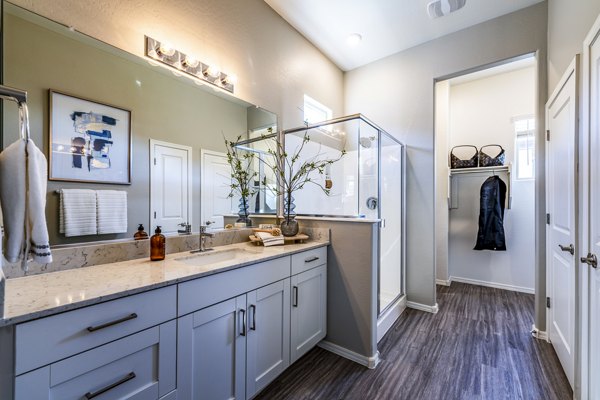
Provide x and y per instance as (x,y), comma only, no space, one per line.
(441,8)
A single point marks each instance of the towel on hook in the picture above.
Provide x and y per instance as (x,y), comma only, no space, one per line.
(112,211)
(37,229)
(23,174)
(78,212)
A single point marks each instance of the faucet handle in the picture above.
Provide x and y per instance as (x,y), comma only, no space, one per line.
(209,222)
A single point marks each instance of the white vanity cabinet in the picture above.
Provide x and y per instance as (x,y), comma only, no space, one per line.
(309,310)
(124,349)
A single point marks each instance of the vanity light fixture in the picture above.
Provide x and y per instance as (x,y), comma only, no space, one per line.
(180,62)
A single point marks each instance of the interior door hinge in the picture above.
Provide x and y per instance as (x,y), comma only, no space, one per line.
(548,135)
(547,302)
(547,219)
(154,160)
(154,214)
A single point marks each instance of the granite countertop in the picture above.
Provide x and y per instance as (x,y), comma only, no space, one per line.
(37,296)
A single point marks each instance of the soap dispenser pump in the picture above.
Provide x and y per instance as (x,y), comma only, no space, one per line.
(141,233)
(157,245)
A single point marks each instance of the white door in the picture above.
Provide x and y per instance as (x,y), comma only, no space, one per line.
(591,275)
(211,352)
(561,232)
(309,310)
(215,186)
(170,185)
(268,342)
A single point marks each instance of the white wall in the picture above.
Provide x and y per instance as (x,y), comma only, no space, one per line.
(442,132)
(482,112)
(275,65)
(397,93)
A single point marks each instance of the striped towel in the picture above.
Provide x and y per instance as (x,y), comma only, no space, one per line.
(112,211)
(270,240)
(78,212)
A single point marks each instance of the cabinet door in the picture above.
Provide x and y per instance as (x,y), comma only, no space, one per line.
(309,310)
(211,352)
(268,335)
(139,366)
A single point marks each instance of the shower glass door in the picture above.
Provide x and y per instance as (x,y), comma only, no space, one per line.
(391,213)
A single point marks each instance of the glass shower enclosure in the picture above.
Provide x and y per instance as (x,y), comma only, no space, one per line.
(368,183)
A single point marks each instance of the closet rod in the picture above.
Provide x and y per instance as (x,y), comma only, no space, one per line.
(9,93)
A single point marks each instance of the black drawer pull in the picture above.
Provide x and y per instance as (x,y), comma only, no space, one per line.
(311,259)
(253,307)
(295,296)
(243,331)
(128,377)
(111,323)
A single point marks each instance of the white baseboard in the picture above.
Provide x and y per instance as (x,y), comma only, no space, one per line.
(369,362)
(493,285)
(423,307)
(385,321)
(542,335)
(443,282)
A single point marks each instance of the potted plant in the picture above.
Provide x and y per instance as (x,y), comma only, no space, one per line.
(293,172)
(242,177)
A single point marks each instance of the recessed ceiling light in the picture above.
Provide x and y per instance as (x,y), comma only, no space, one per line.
(354,39)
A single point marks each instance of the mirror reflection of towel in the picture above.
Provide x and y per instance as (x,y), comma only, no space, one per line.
(78,212)
(270,240)
(112,211)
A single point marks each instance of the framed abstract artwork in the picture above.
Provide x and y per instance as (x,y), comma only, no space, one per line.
(89,141)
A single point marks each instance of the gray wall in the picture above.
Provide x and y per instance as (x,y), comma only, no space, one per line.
(568,23)
(163,108)
(398,93)
(274,63)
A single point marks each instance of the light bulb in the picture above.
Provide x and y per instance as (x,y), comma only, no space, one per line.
(190,62)
(166,50)
(229,80)
(212,71)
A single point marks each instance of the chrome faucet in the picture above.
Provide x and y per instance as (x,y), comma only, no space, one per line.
(187,229)
(202,237)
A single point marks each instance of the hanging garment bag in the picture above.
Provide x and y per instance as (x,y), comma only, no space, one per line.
(491,215)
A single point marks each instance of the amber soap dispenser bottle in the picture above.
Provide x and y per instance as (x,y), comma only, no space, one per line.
(157,245)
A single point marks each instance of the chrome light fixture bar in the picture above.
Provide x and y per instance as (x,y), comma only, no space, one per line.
(188,64)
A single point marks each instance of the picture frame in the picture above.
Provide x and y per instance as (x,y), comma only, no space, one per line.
(88,141)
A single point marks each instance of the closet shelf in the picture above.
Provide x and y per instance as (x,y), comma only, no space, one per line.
(453,187)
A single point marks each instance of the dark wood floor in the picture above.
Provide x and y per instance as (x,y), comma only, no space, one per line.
(477,347)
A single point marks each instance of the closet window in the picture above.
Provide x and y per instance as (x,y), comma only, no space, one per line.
(315,111)
(525,147)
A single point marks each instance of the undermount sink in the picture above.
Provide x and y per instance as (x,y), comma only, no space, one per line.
(211,257)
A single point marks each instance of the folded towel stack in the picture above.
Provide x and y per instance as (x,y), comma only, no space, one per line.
(92,212)
(270,240)
(112,211)
(78,212)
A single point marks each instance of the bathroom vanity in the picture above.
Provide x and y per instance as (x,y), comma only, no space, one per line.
(223,323)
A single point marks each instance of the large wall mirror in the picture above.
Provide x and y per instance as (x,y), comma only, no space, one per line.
(170,117)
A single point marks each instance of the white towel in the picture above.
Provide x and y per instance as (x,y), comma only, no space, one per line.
(12,198)
(112,211)
(78,212)
(37,230)
(270,240)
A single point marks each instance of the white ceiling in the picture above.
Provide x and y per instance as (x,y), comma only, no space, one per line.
(386,26)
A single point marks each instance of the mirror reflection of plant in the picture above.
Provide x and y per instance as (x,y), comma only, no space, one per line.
(293,172)
(242,174)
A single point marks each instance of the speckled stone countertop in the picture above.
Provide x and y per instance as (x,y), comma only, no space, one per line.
(37,296)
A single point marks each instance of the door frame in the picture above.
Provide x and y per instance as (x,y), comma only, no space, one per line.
(189,150)
(583,378)
(572,70)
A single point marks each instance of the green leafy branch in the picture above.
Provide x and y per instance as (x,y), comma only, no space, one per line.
(242,175)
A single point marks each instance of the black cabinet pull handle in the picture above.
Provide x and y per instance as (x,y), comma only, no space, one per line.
(295,301)
(311,259)
(243,332)
(253,307)
(111,323)
(128,377)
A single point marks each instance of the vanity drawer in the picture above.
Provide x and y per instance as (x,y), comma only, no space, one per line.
(203,292)
(139,366)
(46,340)
(308,260)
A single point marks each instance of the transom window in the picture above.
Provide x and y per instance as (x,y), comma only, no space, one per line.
(525,147)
